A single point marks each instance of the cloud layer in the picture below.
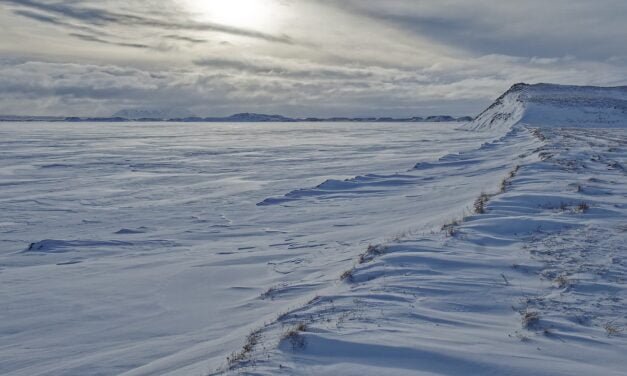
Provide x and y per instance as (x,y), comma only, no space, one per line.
(319,58)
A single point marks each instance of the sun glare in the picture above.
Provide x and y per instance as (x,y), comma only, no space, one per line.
(249,14)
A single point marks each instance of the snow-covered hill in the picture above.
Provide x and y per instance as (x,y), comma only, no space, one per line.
(530,281)
(557,106)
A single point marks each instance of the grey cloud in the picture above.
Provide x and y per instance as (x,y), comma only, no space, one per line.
(72,89)
(295,70)
(37,16)
(392,58)
(95,90)
(90,34)
(91,38)
(101,17)
(83,14)
(185,39)
(586,29)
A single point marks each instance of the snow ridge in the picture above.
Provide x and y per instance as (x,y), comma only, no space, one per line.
(373,184)
(531,282)
(550,105)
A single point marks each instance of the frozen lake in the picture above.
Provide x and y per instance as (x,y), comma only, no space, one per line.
(129,244)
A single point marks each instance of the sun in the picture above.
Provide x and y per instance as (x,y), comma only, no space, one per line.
(247,14)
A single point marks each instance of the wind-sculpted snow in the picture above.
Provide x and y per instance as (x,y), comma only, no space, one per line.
(531,281)
(533,286)
(556,105)
(60,246)
(139,248)
(173,249)
(465,164)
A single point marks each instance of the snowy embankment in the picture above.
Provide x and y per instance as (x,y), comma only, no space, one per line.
(546,105)
(531,283)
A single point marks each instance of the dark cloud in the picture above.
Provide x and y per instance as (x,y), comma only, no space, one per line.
(37,16)
(581,28)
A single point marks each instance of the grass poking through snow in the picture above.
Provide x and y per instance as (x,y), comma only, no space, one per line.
(480,203)
(371,252)
(245,353)
(295,336)
(529,319)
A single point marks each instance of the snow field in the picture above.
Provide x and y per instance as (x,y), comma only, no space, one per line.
(535,285)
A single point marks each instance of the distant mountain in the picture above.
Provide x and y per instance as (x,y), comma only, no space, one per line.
(246,117)
(440,118)
(250,117)
(30,118)
(142,113)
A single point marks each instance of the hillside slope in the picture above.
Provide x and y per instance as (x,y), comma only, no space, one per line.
(532,281)
(548,105)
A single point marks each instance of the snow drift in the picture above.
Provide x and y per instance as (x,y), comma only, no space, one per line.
(501,252)
(556,106)
(529,281)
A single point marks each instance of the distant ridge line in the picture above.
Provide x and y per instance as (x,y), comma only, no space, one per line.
(236,118)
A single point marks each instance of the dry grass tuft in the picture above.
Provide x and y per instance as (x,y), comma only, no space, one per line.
(529,319)
(269,293)
(450,230)
(480,203)
(295,337)
(612,330)
(372,252)
(348,275)
(583,207)
(562,281)
(538,134)
(505,183)
(244,354)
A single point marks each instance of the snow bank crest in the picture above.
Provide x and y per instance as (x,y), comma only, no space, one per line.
(550,105)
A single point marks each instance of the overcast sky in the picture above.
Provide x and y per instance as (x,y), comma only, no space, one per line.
(299,57)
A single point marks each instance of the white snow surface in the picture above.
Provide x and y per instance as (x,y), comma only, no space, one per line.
(140,247)
(348,249)
(533,286)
